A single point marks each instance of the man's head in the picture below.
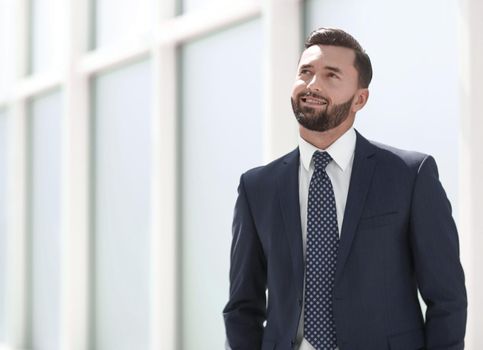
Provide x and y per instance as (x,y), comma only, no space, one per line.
(332,81)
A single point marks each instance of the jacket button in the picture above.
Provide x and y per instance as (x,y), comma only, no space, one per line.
(300,301)
(292,343)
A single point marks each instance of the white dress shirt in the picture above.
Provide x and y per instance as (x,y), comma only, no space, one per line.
(339,171)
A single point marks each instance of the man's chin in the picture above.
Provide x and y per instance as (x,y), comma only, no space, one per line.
(315,128)
(311,126)
(315,117)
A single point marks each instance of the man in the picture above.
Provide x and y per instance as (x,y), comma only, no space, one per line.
(341,232)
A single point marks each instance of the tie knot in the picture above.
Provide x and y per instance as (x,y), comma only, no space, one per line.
(321,159)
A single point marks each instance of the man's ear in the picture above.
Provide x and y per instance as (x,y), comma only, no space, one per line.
(362,96)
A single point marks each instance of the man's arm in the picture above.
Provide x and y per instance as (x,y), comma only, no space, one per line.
(245,311)
(440,276)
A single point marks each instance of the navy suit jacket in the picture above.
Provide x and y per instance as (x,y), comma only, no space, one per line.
(398,235)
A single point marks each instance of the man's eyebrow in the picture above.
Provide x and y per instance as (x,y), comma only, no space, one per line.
(333,69)
(304,66)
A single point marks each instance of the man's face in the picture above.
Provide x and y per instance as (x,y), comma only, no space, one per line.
(325,87)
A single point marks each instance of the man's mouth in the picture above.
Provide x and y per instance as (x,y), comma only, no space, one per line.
(314,100)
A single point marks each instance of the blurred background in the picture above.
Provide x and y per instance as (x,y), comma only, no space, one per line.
(126,124)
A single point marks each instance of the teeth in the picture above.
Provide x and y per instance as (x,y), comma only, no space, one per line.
(310,100)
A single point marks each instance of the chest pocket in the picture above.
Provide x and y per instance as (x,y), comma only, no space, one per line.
(378,220)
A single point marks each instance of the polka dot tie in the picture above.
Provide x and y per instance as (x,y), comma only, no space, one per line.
(321,257)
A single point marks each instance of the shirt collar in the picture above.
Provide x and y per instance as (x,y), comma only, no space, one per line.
(341,150)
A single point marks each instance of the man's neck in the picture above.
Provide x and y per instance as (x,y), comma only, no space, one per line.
(323,139)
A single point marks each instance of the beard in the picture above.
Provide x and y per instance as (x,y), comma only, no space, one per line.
(323,120)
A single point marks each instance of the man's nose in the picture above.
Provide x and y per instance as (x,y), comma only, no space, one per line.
(315,83)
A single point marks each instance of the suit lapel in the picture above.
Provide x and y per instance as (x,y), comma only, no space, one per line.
(288,188)
(362,172)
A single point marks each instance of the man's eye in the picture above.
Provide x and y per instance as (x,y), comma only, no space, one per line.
(333,75)
(304,71)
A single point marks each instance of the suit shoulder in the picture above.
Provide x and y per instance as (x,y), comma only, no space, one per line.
(407,158)
(265,172)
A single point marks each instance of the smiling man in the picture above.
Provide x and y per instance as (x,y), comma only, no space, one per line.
(341,232)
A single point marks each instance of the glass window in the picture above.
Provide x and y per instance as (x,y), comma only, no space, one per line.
(221,125)
(46,35)
(45,155)
(3,219)
(122,117)
(201,5)
(413,101)
(117,20)
(7,69)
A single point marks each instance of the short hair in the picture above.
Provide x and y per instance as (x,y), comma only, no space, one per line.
(338,37)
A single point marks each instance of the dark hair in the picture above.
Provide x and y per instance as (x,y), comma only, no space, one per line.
(337,37)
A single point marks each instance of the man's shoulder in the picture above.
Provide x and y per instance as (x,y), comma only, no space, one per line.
(268,170)
(388,153)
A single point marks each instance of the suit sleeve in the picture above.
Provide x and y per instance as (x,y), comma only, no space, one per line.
(440,276)
(245,311)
